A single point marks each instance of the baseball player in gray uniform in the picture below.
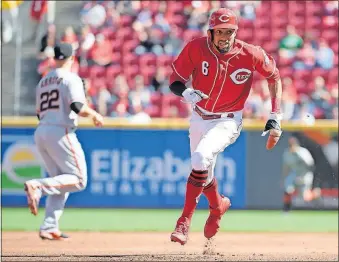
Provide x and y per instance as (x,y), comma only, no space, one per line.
(60,99)
(298,166)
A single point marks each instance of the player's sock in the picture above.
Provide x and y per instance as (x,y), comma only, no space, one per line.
(287,202)
(212,194)
(195,185)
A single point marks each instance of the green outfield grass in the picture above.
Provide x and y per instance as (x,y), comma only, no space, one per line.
(20,219)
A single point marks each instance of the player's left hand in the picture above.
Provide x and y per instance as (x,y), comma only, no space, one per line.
(273,127)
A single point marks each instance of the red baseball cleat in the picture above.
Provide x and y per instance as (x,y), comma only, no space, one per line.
(213,221)
(180,233)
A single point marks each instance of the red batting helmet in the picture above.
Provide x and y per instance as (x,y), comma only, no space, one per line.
(223,18)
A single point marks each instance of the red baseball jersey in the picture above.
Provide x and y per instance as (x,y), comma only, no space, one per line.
(226,78)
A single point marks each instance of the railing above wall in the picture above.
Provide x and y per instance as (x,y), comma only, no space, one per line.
(173,123)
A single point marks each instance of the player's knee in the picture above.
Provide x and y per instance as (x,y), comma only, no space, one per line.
(199,161)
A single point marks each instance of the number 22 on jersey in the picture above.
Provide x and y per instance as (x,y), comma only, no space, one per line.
(49,100)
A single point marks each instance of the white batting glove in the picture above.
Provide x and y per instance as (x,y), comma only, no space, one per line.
(193,96)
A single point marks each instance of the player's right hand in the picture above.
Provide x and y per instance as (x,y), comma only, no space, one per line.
(98,120)
(193,96)
(273,127)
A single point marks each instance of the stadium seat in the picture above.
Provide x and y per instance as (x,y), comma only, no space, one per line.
(153,111)
(261,23)
(148,59)
(83,72)
(191,34)
(305,75)
(126,21)
(333,76)
(112,72)
(116,58)
(129,46)
(313,22)
(156,99)
(98,84)
(164,60)
(131,72)
(263,9)
(130,59)
(108,33)
(96,71)
(179,20)
(279,8)
(262,36)
(331,36)
(126,34)
(117,45)
(271,47)
(285,71)
(246,23)
(277,35)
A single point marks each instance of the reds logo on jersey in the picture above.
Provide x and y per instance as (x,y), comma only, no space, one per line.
(240,76)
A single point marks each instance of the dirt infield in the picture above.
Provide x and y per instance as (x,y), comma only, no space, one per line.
(89,246)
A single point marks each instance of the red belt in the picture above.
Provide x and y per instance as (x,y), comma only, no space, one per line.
(208,117)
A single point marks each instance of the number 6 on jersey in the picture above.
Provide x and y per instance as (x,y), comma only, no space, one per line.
(205,66)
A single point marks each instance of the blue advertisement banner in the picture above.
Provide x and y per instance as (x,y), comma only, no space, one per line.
(126,168)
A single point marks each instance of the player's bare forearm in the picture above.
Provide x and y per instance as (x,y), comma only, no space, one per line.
(273,123)
(275,88)
(86,111)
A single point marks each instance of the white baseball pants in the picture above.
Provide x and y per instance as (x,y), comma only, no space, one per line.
(208,138)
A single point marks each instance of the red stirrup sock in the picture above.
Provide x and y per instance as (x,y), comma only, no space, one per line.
(212,194)
(195,184)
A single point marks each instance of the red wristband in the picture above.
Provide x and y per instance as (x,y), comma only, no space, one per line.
(275,105)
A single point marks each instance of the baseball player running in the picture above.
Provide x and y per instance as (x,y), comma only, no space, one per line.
(222,71)
(298,167)
(60,99)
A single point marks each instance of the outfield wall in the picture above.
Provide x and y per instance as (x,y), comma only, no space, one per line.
(146,166)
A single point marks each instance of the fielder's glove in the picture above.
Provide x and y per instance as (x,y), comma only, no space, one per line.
(193,96)
(273,127)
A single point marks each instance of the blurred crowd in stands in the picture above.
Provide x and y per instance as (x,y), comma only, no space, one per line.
(124,52)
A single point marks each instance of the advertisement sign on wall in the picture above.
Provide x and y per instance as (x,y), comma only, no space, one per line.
(126,168)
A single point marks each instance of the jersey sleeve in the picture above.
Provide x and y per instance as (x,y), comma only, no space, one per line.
(265,64)
(76,91)
(183,65)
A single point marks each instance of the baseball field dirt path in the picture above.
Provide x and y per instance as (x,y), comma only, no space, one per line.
(89,246)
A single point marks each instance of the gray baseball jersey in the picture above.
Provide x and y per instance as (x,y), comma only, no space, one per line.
(57,142)
(300,163)
(54,94)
